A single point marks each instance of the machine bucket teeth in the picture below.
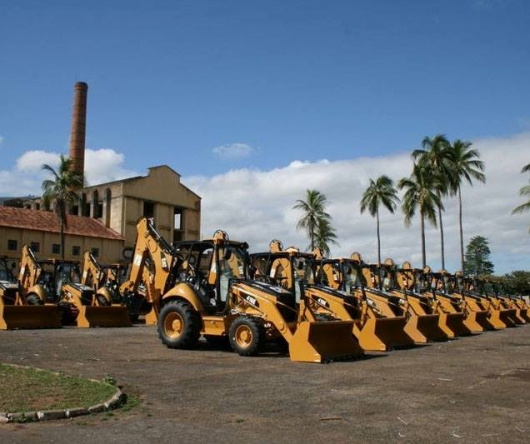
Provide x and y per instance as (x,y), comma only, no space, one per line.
(112,316)
(383,334)
(29,317)
(324,341)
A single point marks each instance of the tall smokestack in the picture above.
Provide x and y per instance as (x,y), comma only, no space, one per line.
(77,135)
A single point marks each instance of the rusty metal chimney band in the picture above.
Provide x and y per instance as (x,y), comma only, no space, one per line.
(77,135)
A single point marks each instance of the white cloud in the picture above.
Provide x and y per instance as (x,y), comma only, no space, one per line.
(103,165)
(1,139)
(32,161)
(233,151)
(256,206)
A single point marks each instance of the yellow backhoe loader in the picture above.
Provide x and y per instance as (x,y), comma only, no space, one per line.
(337,296)
(501,315)
(450,307)
(106,281)
(203,288)
(408,280)
(422,324)
(480,314)
(19,311)
(58,282)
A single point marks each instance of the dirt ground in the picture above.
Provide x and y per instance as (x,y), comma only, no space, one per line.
(473,390)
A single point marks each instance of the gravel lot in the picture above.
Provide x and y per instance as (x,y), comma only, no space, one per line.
(473,389)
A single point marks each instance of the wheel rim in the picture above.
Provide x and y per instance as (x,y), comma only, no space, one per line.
(173,325)
(243,336)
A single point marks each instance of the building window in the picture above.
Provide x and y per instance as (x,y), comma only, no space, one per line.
(95,252)
(35,247)
(98,211)
(56,249)
(12,245)
(178,224)
(76,250)
(149,209)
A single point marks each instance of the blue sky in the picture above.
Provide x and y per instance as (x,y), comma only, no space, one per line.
(223,91)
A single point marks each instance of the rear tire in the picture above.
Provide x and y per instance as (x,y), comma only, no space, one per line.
(33,299)
(247,336)
(179,325)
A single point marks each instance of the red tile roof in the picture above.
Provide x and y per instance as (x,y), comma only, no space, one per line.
(48,221)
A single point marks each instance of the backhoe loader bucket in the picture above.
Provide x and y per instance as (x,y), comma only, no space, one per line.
(424,328)
(29,316)
(105,316)
(383,334)
(499,319)
(477,321)
(324,341)
(453,325)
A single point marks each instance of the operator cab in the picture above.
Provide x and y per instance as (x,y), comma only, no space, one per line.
(210,270)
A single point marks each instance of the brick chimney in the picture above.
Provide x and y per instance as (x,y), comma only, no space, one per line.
(77,135)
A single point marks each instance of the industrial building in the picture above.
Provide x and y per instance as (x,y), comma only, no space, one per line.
(104,219)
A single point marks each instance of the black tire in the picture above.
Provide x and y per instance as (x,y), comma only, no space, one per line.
(102,300)
(247,336)
(33,299)
(179,325)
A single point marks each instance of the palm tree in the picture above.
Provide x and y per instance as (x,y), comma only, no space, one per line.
(436,156)
(314,212)
(465,164)
(523,192)
(324,236)
(420,195)
(60,193)
(379,192)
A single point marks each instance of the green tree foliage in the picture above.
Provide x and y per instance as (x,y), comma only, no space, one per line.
(420,195)
(315,220)
(435,155)
(59,193)
(465,165)
(517,282)
(379,192)
(524,192)
(477,262)
(325,236)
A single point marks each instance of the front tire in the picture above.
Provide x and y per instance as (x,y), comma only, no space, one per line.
(179,325)
(247,336)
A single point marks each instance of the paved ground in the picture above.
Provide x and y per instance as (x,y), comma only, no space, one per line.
(473,390)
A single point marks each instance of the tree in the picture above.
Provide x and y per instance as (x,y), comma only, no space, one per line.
(477,261)
(381,191)
(517,282)
(435,156)
(420,195)
(324,236)
(314,215)
(465,164)
(524,192)
(59,193)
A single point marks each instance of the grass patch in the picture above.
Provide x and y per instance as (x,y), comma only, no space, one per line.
(25,389)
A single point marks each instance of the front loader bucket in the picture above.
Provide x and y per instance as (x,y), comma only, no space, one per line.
(452,324)
(496,320)
(510,317)
(29,317)
(324,341)
(425,328)
(477,321)
(383,334)
(106,316)
(519,317)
